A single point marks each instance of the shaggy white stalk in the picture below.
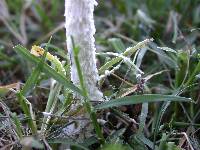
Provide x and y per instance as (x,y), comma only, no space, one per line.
(80,25)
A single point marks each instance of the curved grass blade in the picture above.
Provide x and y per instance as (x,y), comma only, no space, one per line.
(127,53)
(135,99)
(47,69)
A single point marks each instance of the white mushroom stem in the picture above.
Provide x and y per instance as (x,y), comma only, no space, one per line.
(80,25)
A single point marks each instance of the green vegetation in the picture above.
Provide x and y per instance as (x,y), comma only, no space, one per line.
(148,57)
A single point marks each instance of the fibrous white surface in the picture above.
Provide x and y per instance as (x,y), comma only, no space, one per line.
(80,25)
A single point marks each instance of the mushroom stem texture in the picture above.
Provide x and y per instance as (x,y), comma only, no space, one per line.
(79,24)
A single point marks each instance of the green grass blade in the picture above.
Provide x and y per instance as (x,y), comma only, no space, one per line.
(47,69)
(109,64)
(117,44)
(143,116)
(32,80)
(30,83)
(28,112)
(51,104)
(67,141)
(158,117)
(146,141)
(135,99)
(165,58)
(89,141)
(193,75)
(182,72)
(127,53)
(163,142)
(46,21)
(18,125)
